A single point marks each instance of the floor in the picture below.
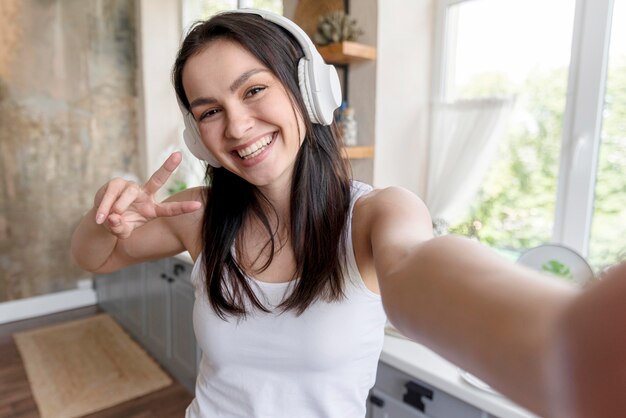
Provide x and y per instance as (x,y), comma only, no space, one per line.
(16,399)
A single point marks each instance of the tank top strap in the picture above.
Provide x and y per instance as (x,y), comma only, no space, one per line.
(359,189)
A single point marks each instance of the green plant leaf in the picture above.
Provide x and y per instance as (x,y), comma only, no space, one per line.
(557,268)
(178,186)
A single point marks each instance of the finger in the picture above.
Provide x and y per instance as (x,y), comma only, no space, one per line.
(158,179)
(113,190)
(176,208)
(117,226)
(126,198)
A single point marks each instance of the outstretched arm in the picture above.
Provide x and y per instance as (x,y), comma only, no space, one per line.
(500,321)
(587,365)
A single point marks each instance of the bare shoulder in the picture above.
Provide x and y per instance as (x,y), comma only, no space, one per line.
(393,215)
(390,202)
(386,224)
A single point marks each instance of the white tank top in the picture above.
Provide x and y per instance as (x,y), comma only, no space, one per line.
(278,365)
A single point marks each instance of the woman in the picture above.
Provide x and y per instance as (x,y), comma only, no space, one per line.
(294,263)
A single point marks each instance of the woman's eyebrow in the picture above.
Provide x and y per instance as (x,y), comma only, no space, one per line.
(202,101)
(244,77)
(233,87)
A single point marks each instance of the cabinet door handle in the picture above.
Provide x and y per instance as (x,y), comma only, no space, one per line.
(166,277)
(375,400)
(178,268)
(414,394)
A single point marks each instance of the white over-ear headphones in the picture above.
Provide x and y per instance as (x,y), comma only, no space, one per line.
(319,86)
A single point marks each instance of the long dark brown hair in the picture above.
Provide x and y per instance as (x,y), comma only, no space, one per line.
(320,188)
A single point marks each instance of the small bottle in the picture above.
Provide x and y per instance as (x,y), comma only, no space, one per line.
(339,113)
(348,127)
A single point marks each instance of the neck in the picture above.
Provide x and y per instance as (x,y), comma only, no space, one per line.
(280,198)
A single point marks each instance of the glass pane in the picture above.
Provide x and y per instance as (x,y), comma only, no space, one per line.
(275,6)
(207,8)
(203,9)
(194,10)
(607,245)
(519,49)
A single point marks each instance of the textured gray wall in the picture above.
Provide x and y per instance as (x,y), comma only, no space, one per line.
(67,123)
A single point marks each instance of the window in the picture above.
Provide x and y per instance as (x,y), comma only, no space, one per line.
(202,9)
(564,130)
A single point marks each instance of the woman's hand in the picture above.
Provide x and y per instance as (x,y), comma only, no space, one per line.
(123,206)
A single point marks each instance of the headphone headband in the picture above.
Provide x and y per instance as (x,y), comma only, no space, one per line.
(303,39)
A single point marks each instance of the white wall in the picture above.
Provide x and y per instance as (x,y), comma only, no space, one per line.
(159,35)
(361,85)
(405,30)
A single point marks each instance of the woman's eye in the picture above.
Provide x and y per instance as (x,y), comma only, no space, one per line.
(208,113)
(254,91)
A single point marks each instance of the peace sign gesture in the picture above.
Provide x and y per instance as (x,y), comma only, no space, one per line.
(123,206)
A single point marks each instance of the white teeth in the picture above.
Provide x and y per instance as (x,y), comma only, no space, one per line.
(256,148)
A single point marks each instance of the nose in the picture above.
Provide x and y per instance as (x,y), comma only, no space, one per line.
(239,121)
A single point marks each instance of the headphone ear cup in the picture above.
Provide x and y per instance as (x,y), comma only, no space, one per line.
(329,95)
(321,102)
(192,139)
(305,89)
(198,149)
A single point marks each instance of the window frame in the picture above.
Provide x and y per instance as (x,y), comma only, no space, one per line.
(582,118)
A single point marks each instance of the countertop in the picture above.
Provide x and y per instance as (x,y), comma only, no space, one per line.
(424,364)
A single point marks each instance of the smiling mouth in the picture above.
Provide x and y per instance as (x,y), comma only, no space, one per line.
(256,148)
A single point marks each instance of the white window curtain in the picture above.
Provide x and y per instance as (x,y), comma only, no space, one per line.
(463,142)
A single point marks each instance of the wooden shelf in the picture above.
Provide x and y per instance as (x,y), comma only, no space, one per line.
(355,153)
(346,52)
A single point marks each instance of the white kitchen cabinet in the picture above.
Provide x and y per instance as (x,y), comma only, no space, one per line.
(123,298)
(134,279)
(185,353)
(383,405)
(399,395)
(158,306)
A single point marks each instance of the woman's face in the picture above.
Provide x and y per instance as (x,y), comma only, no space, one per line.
(245,115)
